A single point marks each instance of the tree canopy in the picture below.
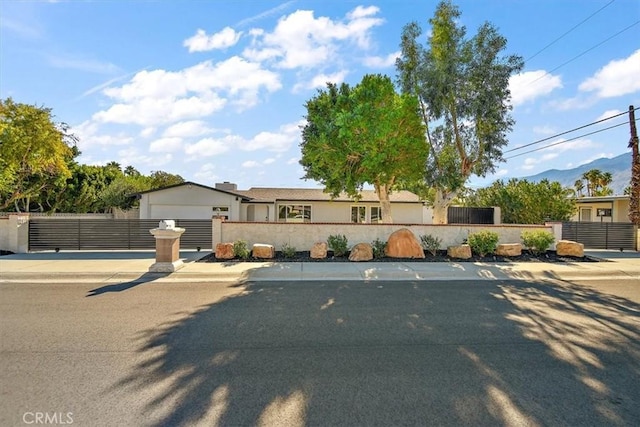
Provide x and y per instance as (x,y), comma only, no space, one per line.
(597,183)
(367,134)
(463,90)
(525,202)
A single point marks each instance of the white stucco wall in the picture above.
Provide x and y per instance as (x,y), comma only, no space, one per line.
(619,211)
(187,202)
(333,211)
(4,234)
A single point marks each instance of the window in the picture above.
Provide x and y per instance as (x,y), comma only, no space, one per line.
(221,212)
(359,214)
(376,214)
(294,213)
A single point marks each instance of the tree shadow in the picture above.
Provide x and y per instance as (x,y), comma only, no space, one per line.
(395,353)
(121,287)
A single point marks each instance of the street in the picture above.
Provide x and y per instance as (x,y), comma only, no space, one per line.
(495,352)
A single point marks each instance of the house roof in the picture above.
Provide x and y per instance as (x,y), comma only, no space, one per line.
(594,199)
(270,194)
(188,183)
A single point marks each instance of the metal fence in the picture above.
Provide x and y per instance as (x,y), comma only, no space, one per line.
(465,215)
(110,234)
(601,235)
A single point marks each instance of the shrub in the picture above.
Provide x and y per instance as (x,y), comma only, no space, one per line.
(537,241)
(338,244)
(240,249)
(483,242)
(430,243)
(378,247)
(288,251)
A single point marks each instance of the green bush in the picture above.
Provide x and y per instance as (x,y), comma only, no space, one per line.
(240,249)
(483,242)
(288,251)
(378,247)
(537,241)
(430,243)
(338,244)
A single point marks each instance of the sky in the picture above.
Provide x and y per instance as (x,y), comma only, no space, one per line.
(215,90)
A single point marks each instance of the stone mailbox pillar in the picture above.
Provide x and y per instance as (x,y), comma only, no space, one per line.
(167,247)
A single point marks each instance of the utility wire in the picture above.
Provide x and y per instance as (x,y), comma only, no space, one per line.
(568,31)
(585,52)
(567,140)
(568,131)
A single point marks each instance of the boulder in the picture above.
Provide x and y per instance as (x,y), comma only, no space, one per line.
(460,252)
(318,250)
(263,251)
(361,252)
(509,249)
(569,248)
(403,243)
(224,251)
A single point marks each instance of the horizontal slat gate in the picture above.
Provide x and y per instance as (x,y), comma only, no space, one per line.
(467,215)
(601,235)
(110,234)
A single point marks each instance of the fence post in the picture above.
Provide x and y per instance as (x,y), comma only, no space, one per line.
(216,232)
(556,230)
(497,215)
(19,233)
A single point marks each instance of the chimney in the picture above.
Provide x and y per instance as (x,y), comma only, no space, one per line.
(226,186)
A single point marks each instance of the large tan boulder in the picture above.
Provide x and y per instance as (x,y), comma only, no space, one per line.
(509,249)
(403,243)
(224,251)
(318,250)
(263,251)
(460,252)
(569,248)
(361,252)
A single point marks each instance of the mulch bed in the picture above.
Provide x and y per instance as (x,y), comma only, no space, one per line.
(548,257)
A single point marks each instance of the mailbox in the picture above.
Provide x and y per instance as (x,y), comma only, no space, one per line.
(167,224)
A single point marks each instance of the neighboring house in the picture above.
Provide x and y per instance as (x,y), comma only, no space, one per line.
(195,201)
(602,209)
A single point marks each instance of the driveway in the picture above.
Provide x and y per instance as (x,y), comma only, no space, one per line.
(321,353)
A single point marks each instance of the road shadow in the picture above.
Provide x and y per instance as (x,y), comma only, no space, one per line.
(185,255)
(495,352)
(124,286)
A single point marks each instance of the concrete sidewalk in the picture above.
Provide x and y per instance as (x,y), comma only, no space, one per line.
(120,266)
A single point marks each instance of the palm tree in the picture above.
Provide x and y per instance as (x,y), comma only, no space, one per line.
(579,186)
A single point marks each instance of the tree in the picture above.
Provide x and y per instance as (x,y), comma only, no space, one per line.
(598,182)
(161,179)
(34,153)
(579,186)
(463,91)
(525,202)
(365,134)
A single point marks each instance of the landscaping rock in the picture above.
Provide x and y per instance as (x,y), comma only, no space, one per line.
(460,252)
(224,251)
(263,251)
(509,249)
(403,243)
(361,252)
(318,250)
(569,248)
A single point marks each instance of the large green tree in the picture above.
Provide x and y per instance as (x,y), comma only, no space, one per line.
(597,183)
(366,134)
(525,202)
(463,88)
(34,153)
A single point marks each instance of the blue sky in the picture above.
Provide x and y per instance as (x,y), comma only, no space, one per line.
(215,90)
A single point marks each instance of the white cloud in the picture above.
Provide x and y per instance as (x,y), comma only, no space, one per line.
(206,173)
(165,145)
(201,42)
(250,164)
(187,129)
(131,156)
(268,161)
(607,114)
(381,61)
(82,64)
(543,130)
(207,147)
(321,80)
(501,172)
(617,78)
(530,85)
(147,132)
(89,135)
(266,13)
(595,157)
(293,161)
(301,40)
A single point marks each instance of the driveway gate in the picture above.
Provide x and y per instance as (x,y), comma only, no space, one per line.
(601,235)
(110,234)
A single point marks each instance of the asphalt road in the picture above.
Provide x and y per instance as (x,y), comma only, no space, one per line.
(321,353)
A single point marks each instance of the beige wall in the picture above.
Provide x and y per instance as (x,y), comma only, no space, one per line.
(14,233)
(302,236)
(187,202)
(4,234)
(619,211)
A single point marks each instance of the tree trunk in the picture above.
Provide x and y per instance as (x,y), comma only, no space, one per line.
(441,204)
(385,203)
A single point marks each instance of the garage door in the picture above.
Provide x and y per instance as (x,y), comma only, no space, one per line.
(180,212)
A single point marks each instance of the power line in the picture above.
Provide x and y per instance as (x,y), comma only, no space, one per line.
(568,131)
(585,52)
(567,140)
(568,31)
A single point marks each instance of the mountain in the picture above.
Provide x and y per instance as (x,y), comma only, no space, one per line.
(620,168)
